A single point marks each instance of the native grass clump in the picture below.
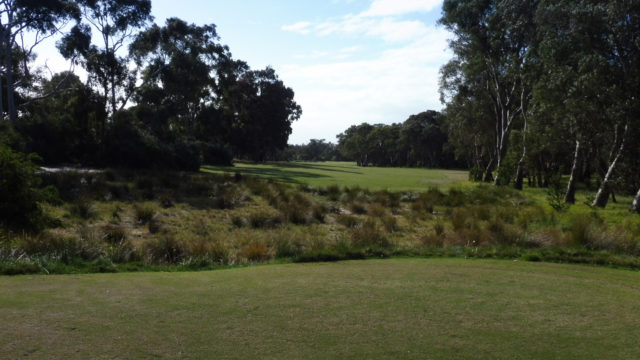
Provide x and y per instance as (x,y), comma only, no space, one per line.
(124,220)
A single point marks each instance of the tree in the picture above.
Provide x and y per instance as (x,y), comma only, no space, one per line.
(491,48)
(42,18)
(257,110)
(178,80)
(65,126)
(115,22)
(353,143)
(423,136)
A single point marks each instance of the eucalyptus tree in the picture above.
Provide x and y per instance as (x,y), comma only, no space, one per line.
(179,62)
(492,40)
(115,23)
(570,86)
(257,110)
(622,54)
(41,19)
(353,143)
(424,138)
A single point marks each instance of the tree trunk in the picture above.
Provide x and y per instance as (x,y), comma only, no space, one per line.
(602,197)
(487,177)
(635,205)
(11,103)
(570,195)
(2,46)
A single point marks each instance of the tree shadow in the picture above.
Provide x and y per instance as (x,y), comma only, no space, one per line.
(311,166)
(278,174)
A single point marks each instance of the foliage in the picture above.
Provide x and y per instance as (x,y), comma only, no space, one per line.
(19,191)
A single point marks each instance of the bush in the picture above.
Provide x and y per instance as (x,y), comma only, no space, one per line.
(256,251)
(263,219)
(83,208)
(165,249)
(349,221)
(228,195)
(369,234)
(19,191)
(144,213)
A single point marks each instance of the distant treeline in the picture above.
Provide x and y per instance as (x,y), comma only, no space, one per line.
(418,142)
(168,96)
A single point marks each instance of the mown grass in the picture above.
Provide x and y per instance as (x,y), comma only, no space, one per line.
(394,309)
(324,174)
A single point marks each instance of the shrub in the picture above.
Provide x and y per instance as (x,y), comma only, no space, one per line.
(543,238)
(580,229)
(349,221)
(114,234)
(288,248)
(237,221)
(459,218)
(165,249)
(333,192)
(319,212)
(154,225)
(228,195)
(263,219)
(209,250)
(256,251)
(19,191)
(144,212)
(83,208)
(358,208)
(119,247)
(377,210)
(390,223)
(438,228)
(369,234)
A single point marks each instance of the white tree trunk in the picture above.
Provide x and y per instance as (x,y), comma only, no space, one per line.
(635,205)
(602,197)
(570,195)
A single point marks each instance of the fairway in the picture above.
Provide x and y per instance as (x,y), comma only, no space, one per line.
(347,174)
(401,308)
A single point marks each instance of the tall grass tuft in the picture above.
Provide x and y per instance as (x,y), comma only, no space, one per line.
(144,212)
(165,249)
(369,234)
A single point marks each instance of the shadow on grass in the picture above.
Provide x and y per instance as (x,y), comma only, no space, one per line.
(280,173)
(312,167)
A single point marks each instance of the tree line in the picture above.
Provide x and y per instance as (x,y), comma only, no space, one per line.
(160,96)
(542,88)
(420,141)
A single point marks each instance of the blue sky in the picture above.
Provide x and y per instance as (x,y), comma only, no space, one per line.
(348,61)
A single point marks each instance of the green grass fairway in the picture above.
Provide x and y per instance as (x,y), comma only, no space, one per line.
(400,308)
(347,174)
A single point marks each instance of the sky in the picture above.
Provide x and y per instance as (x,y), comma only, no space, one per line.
(348,61)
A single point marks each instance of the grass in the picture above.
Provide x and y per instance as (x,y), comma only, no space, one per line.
(326,174)
(400,308)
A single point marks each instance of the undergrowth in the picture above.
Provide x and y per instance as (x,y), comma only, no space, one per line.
(143,221)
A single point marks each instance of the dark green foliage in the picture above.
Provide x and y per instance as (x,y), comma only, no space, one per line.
(19,191)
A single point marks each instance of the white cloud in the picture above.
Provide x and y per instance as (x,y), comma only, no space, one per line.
(301,27)
(400,7)
(385,89)
(388,29)
(350,85)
